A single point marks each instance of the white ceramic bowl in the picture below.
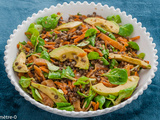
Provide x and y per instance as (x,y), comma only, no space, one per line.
(145,44)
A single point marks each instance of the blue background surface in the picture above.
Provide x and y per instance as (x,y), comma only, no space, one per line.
(13,12)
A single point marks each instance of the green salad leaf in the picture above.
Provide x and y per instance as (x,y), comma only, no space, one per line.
(126,30)
(68,108)
(40,45)
(82,81)
(117,76)
(34,94)
(89,99)
(62,104)
(83,43)
(133,45)
(113,64)
(141,55)
(54,75)
(105,62)
(90,32)
(68,73)
(115,18)
(92,40)
(101,99)
(25,82)
(93,56)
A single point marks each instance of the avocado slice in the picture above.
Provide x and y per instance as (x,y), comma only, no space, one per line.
(69,25)
(71,52)
(19,63)
(129,59)
(110,26)
(51,92)
(105,91)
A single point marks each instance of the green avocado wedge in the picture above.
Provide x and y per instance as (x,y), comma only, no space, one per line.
(52,92)
(105,91)
(19,63)
(69,25)
(71,52)
(110,26)
(120,57)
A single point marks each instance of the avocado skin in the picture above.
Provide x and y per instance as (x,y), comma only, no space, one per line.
(20,61)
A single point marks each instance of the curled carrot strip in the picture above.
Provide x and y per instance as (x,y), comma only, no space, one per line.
(135,38)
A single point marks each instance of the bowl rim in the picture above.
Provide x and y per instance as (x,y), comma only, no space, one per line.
(81,113)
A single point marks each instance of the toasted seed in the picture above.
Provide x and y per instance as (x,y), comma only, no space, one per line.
(56,96)
(19,67)
(16,63)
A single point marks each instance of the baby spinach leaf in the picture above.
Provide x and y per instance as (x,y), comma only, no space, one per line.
(141,55)
(101,100)
(32,31)
(84,43)
(39,28)
(105,52)
(54,75)
(126,30)
(117,76)
(82,81)
(34,95)
(124,94)
(133,45)
(45,55)
(68,73)
(93,56)
(54,16)
(39,20)
(89,99)
(82,94)
(90,32)
(52,67)
(23,43)
(62,104)
(108,104)
(92,40)
(33,39)
(37,93)
(113,64)
(105,62)
(25,82)
(40,45)
(116,18)
(45,75)
(47,22)
(68,108)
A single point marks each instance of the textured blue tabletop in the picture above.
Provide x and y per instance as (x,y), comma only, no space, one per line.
(13,12)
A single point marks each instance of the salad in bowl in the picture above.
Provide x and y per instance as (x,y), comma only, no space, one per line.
(85,63)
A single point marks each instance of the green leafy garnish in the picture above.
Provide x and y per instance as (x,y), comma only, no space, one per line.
(29,64)
(124,94)
(68,108)
(82,81)
(39,20)
(37,93)
(32,31)
(116,18)
(68,73)
(105,62)
(89,99)
(82,94)
(101,100)
(92,40)
(25,82)
(141,55)
(79,14)
(117,76)
(126,30)
(133,45)
(23,43)
(113,64)
(62,104)
(54,75)
(93,56)
(90,32)
(34,94)
(40,45)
